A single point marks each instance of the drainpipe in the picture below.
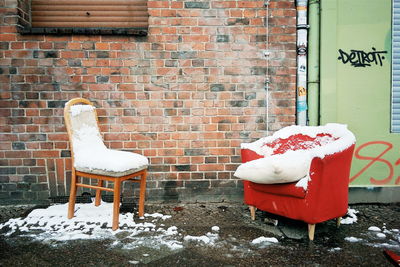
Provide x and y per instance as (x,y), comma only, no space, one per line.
(301,103)
(313,62)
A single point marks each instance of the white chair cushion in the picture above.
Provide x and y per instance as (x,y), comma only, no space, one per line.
(282,168)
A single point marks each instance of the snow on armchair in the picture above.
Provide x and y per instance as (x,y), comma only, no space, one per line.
(300,172)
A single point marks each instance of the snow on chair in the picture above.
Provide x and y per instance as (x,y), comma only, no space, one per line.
(92,159)
(300,172)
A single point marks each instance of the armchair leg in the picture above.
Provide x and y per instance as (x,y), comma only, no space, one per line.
(117,194)
(252,212)
(72,195)
(98,194)
(142,193)
(311,231)
(338,220)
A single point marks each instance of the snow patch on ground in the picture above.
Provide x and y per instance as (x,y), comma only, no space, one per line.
(263,240)
(374,228)
(352,239)
(335,249)
(379,237)
(208,239)
(90,222)
(351,217)
(215,228)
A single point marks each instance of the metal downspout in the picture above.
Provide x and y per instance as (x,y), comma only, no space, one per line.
(313,62)
(301,102)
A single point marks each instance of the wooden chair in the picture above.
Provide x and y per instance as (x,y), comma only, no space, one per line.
(91,159)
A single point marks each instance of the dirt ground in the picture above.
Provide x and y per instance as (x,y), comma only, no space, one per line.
(348,245)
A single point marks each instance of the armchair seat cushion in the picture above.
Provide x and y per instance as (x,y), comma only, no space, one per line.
(288,189)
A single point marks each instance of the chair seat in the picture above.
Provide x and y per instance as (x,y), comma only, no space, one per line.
(288,189)
(109,162)
(110,173)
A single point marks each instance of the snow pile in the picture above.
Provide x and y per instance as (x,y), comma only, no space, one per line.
(350,217)
(78,109)
(381,235)
(215,228)
(152,238)
(290,161)
(303,182)
(91,153)
(209,239)
(262,240)
(343,139)
(374,229)
(90,222)
(158,216)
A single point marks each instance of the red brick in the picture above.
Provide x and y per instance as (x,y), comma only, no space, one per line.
(165,93)
(8,37)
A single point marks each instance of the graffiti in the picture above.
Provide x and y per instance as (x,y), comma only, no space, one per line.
(386,146)
(359,58)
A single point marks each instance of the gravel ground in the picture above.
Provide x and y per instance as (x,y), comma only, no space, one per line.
(232,246)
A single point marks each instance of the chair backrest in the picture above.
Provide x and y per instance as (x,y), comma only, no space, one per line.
(82,125)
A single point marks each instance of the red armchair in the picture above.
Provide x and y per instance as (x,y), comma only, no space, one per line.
(325,198)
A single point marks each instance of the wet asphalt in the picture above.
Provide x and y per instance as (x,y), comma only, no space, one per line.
(233,246)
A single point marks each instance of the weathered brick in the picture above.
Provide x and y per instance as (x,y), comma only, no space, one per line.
(39,187)
(222,38)
(217,87)
(18,146)
(56,104)
(201,5)
(182,167)
(183,54)
(8,170)
(197,184)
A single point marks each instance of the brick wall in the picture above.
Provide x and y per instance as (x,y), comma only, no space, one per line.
(185,96)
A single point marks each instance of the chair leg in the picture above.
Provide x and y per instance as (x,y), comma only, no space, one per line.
(98,194)
(117,194)
(252,212)
(142,193)
(311,231)
(338,220)
(72,195)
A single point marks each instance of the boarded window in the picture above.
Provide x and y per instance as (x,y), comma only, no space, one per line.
(89,16)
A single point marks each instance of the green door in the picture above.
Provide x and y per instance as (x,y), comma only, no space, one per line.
(356,84)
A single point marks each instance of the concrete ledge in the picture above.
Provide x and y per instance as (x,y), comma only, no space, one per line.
(374,195)
(229,192)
